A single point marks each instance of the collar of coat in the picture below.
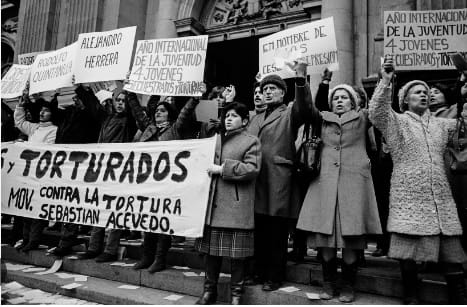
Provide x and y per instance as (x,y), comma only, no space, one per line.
(424,119)
(340,120)
(45,124)
(152,130)
(272,117)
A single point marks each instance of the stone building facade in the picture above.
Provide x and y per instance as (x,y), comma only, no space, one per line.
(234,28)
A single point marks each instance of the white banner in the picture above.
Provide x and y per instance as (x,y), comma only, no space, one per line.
(28,58)
(423,40)
(14,82)
(104,56)
(52,70)
(157,187)
(169,67)
(314,42)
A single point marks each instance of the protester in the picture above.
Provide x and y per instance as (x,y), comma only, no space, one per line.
(230,220)
(276,197)
(441,101)
(43,132)
(423,220)
(340,206)
(77,124)
(260,106)
(118,126)
(165,125)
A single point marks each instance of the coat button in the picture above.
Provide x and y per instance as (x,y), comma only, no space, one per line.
(336,164)
(338,132)
(337,148)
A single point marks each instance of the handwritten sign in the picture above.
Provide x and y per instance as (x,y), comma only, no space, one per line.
(52,70)
(314,43)
(104,56)
(28,58)
(157,187)
(169,67)
(206,110)
(423,40)
(14,82)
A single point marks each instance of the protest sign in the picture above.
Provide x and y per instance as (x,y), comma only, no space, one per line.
(14,82)
(28,58)
(423,40)
(157,187)
(169,67)
(52,70)
(206,110)
(104,56)
(314,43)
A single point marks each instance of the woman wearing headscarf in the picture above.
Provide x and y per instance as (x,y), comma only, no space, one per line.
(340,205)
(165,125)
(423,219)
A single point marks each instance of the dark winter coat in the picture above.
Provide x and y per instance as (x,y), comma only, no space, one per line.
(116,127)
(232,196)
(79,126)
(276,193)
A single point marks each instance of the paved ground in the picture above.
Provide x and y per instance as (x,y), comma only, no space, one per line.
(14,293)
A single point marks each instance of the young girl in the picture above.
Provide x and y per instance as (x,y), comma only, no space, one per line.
(230,220)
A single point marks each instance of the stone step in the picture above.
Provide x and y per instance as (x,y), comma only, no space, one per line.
(174,280)
(98,290)
(381,276)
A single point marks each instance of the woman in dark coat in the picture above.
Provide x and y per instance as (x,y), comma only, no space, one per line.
(165,125)
(230,219)
(340,205)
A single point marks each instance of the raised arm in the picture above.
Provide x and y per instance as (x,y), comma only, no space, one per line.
(20,115)
(142,120)
(248,168)
(303,101)
(186,118)
(91,103)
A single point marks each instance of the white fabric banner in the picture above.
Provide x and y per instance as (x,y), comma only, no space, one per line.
(314,43)
(423,40)
(104,56)
(52,70)
(157,187)
(28,58)
(14,82)
(169,67)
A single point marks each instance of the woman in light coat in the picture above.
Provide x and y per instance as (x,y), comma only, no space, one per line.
(423,220)
(340,206)
(230,219)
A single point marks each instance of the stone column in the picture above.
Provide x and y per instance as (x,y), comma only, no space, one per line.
(160,19)
(342,11)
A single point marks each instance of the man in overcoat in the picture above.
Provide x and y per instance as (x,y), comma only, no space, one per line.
(276,198)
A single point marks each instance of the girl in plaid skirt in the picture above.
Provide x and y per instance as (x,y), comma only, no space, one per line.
(230,218)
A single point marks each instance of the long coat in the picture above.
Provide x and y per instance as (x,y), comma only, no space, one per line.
(421,201)
(276,193)
(344,179)
(232,196)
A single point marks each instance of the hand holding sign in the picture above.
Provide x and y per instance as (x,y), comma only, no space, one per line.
(387,70)
(229,93)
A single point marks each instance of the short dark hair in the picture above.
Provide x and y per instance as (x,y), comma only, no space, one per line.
(239,108)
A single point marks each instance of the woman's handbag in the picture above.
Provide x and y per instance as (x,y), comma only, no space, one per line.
(456,153)
(309,152)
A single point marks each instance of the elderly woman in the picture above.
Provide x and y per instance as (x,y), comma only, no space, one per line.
(340,205)
(423,220)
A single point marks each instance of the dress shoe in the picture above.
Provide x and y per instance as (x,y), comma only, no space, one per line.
(208,298)
(30,246)
(157,266)
(106,257)
(379,253)
(61,251)
(88,255)
(271,286)
(144,263)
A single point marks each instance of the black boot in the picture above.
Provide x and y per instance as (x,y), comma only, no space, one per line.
(237,267)
(409,282)
(456,288)
(329,279)
(349,274)
(149,251)
(163,245)
(213,269)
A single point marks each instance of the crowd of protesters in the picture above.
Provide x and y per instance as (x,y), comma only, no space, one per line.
(257,200)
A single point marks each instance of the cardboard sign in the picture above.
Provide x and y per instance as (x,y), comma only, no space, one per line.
(423,40)
(104,56)
(52,70)
(14,82)
(206,110)
(169,67)
(157,187)
(28,58)
(314,43)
